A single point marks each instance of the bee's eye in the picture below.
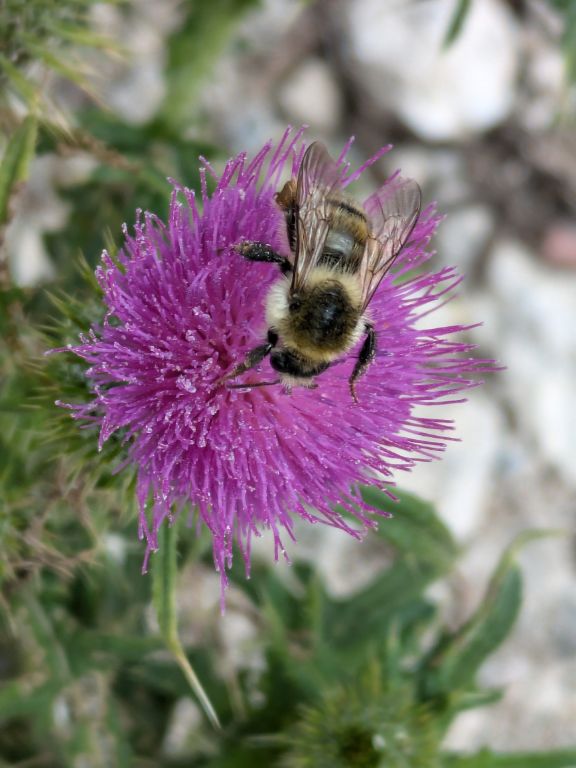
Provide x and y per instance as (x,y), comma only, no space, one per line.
(294,304)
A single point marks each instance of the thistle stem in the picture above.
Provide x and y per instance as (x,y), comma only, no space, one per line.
(164,582)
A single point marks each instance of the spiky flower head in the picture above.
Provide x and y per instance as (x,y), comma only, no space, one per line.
(367,724)
(183,307)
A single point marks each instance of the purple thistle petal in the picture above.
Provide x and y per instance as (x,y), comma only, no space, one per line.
(183,308)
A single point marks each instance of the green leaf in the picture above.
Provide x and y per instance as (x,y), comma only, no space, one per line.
(570,42)
(72,72)
(83,36)
(46,636)
(478,698)
(561,758)
(119,752)
(425,551)
(239,756)
(15,162)
(375,607)
(116,648)
(19,699)
(454,663)
(451,666)
(193,49)
(457,22)
(415,529)
(20,84)
(568,9)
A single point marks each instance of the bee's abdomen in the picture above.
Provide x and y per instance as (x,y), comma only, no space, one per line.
(344,207)
(347,237)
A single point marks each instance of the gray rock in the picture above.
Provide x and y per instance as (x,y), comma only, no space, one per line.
(461,484)
(311,96)
(397,53)
(533,334)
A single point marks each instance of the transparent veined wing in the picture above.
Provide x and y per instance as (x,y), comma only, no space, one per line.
(318,177)
(393,212)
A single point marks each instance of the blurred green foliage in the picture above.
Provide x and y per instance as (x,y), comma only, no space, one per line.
(44,34)
(193,50)
(342,681)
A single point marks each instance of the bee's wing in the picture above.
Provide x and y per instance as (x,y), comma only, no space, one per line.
(318,177)
(393,212)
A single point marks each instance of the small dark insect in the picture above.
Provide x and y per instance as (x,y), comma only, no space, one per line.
(341,251)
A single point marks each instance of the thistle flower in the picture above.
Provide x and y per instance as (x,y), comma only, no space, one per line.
(183,307)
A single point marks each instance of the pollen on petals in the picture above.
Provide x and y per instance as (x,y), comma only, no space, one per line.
(183,307)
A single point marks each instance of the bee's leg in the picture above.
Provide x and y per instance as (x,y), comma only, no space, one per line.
(253,357)
(263,252)
(367,354)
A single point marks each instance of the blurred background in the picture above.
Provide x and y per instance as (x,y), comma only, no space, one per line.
(478,99)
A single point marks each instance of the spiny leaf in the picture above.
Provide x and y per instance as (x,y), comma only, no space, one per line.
(21,85)
(68,71)
(16,161)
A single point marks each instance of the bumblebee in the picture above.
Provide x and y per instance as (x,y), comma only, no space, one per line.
(341,251)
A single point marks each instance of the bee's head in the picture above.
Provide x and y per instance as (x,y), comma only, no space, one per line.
(294,303)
